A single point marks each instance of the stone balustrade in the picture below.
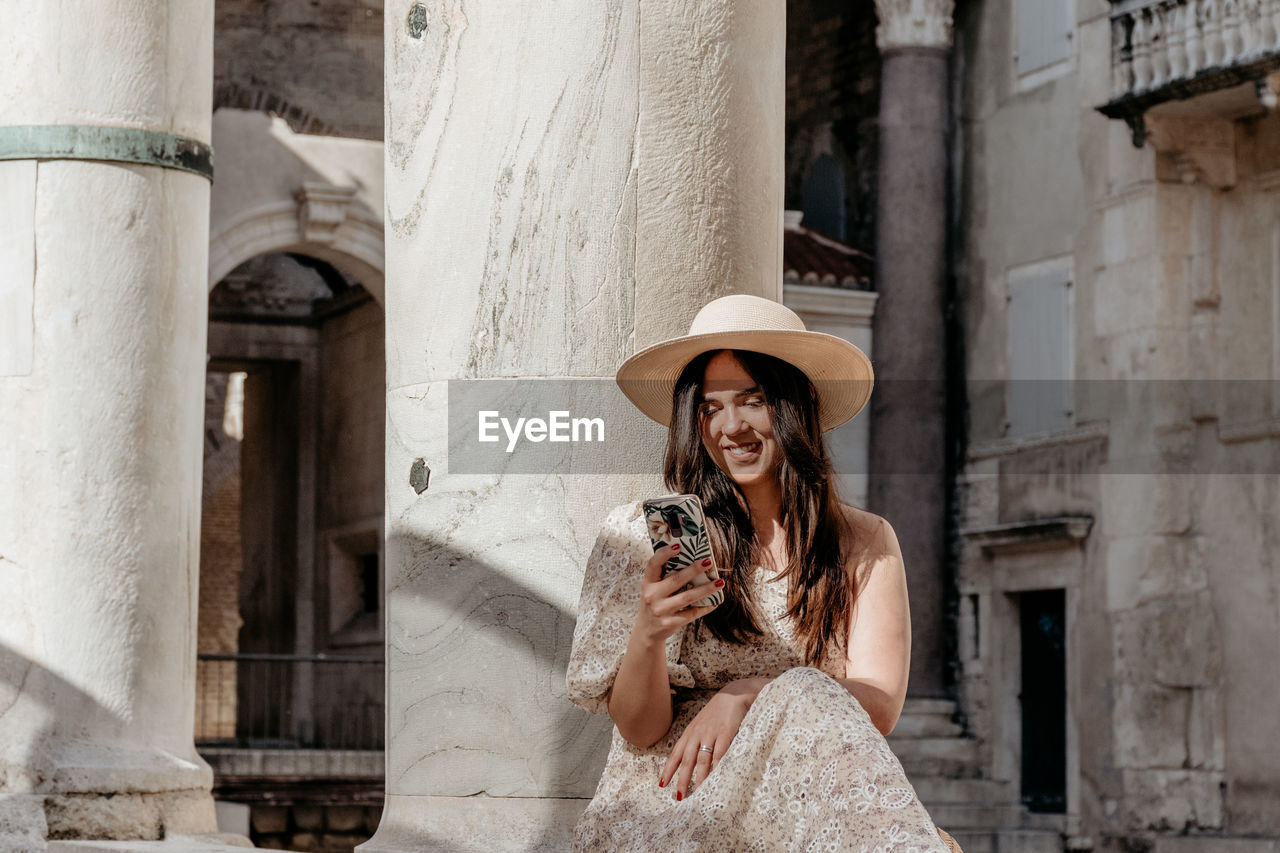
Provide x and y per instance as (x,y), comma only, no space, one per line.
(1163,50)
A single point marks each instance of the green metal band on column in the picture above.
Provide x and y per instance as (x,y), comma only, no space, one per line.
(112,144)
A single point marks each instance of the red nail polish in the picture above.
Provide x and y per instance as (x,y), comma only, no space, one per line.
(661,784)
(675,547)
(679,796)
(706,562)
(719,583)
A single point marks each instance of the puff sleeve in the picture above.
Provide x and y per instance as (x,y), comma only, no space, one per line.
(607,609)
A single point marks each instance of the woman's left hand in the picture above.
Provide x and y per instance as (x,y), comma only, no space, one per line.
(714,727)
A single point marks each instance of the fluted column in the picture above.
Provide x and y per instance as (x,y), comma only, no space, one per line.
(908,472)
(566,181)
(104,202)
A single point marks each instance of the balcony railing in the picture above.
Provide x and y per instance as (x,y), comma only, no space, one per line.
(279,701)
(1164,50)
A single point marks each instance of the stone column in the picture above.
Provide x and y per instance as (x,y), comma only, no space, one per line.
(908,471)
(104,126)
(566,180)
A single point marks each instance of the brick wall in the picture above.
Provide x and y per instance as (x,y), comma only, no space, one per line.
(316,63)
(220,566)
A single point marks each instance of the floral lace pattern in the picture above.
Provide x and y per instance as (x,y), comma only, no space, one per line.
(807,771)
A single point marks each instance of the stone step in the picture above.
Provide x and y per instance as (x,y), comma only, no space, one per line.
(178,844)
(926,718)
(945,707)
(921,767)
(948,757)
(935,789)
(1008,841)
(973,842)
(974,816)
(924,725)
(992,816)
(935,747)
(1028,841)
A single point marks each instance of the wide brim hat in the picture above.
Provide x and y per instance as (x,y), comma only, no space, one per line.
(839,370)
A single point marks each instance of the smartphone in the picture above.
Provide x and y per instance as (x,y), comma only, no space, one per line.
(679,518)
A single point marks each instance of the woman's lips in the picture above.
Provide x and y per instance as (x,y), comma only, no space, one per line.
(745,452)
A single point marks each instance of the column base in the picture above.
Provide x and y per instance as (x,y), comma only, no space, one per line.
(411,824)
(183,844)
(22,823)
(27,820)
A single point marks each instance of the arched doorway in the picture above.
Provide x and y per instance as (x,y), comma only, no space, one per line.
(290,678)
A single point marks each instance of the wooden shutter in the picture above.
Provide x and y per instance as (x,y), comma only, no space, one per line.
(1040,369)
(1044,33)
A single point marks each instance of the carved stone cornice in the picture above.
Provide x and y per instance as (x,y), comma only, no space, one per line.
(322,208)
(1035,535)
(914,23)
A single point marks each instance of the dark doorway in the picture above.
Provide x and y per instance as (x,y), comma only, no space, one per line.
(1044,700)
(269,525)
(823,198)
(269,500)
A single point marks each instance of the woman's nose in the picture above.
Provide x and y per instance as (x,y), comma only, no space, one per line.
(732,419)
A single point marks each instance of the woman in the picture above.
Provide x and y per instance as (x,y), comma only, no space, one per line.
(757,724)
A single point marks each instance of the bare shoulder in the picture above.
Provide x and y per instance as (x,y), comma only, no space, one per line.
(870,530)
(872,541)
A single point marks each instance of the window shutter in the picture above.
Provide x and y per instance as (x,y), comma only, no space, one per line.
(1040,370)
(1044,33)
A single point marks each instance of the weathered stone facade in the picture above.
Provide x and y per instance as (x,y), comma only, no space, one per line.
(1152,503)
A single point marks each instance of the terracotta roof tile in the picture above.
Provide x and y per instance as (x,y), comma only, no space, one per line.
(812,258)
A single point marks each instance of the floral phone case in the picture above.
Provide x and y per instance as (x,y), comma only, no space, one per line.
(678,518)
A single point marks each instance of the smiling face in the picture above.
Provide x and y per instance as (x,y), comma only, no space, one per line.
(735,423)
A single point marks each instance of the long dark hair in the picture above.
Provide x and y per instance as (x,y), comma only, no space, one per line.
(820,590)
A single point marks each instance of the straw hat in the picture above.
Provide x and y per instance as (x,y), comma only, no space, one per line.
(838,369)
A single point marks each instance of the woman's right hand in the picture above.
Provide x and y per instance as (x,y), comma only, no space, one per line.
(664,607)
(640,699)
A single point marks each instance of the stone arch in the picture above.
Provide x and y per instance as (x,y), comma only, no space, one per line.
(354,245)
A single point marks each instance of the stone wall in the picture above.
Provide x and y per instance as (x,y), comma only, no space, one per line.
(351,418)
(315,63)
(1167,467)
(349,481)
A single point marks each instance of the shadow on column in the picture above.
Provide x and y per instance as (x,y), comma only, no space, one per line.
(494,627)
(44,720)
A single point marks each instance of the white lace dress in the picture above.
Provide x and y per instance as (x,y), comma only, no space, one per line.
(807,771)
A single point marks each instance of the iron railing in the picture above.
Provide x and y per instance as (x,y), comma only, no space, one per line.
(283,701)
